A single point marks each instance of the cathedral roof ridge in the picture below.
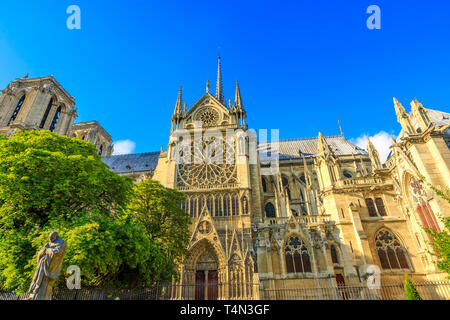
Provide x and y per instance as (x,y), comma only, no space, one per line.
(127,155)
(309,138)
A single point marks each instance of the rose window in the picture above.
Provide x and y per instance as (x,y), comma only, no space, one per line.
(209,117)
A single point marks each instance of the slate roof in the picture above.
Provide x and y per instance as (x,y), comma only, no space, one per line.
(289,149)
(128,163)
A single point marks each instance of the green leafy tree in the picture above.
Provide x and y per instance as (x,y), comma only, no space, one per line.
(411,292)
(158,209)
(50,183)
(440,241)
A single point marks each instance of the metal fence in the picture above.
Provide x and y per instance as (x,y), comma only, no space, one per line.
(427,291)
(248,291)
(213,291)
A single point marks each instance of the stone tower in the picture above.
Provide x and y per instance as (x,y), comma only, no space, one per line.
(38,104)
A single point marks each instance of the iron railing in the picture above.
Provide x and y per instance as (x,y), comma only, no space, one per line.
(427,291)
(247,291)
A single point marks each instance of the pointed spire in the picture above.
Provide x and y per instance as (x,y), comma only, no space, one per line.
(179,105)
(340,128)
(403,118)
(399,109)
(177,112)
(420,114)
(323,149)
(237,98)
(219,87)
(373,154)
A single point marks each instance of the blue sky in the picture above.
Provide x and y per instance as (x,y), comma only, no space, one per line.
(301,65)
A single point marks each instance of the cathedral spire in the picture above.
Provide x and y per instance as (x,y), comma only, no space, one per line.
(237,98)
(323,149)
(179,105)
(403,118)
(421,114)
(373,154)
(177,112)
(219,87)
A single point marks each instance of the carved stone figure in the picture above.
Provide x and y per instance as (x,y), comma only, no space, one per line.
(49,264)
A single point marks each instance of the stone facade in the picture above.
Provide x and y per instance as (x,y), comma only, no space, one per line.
(328,213)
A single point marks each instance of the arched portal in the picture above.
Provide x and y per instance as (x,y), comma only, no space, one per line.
(206,276)
(204,271)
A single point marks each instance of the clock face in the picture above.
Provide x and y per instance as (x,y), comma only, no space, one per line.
(209,167)
(208,116)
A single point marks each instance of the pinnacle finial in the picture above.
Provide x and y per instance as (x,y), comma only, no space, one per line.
(207,86)
(177,113)
(393,140)
(237,98)
(219,87)
(340,128)
(322,146)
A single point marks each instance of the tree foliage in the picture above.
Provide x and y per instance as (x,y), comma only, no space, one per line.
(158,209)
(50,183)
(440,241)
(411,292)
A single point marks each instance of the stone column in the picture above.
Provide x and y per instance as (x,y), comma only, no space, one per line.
(282,263)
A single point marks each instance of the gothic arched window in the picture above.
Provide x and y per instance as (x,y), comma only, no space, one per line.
(47,111)
(297,256)
(334,255)
(347,174)
(193,207)
(218,206)
(55,119)
(17,109)
(392,254)
(270,210)
(226,205)
(264,185)
(100,150)
(234,205)
(380,207)
(209,204)
(371,207)
(285,183)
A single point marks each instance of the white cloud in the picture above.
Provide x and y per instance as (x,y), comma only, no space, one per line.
(124,147)
(381,141)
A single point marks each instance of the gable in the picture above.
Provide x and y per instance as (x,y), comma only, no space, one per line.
(209,111)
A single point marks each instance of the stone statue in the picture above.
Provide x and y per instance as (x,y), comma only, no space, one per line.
(49,262)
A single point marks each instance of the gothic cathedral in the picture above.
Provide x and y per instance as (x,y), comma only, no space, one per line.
(327,214)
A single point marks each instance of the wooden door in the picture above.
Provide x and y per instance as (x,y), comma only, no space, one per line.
(341,285)
(212,284)
(200,285)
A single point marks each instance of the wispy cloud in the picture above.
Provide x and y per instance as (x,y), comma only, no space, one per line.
(381,141)
(124,147)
